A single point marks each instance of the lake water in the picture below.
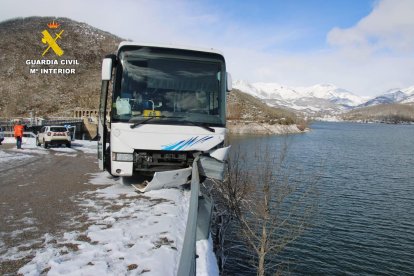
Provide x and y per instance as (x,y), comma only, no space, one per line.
(365,220)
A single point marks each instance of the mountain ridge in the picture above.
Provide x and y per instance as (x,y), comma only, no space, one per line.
(405,95)
(326,99)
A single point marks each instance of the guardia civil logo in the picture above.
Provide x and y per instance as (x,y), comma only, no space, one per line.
(51,41)
(51,61)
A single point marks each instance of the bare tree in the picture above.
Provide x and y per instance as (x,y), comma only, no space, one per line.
(227,196)
(273,207)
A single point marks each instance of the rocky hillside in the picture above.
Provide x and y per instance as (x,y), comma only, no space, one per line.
(249,115)
(50,92)
(242,106)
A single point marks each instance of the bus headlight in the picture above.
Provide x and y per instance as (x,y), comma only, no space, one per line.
(123,157)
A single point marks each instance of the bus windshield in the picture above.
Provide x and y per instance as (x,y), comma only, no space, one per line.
(173,86)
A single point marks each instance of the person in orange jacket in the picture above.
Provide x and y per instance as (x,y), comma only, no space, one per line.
(18,134)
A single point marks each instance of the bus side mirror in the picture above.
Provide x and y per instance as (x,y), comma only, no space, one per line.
(107,69)
(229,85)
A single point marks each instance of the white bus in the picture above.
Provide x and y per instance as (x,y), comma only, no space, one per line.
(167,104)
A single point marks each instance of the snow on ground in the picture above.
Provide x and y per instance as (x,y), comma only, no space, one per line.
(14,158)
(9,157)
(128,233)
(26,141)
(29,146)
(120,232)
(86,146)
(206,261)
(328,118)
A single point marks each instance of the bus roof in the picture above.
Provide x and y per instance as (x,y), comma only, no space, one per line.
(170,46)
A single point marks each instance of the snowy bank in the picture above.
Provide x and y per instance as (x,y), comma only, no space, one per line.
(127,233)
(241,127)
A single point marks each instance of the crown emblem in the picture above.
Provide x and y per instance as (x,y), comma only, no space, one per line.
(53,25)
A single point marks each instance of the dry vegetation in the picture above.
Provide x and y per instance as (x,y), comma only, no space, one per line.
(389,113)
(242,106)
(271,204)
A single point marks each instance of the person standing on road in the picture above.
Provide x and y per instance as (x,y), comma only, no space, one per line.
(18,134)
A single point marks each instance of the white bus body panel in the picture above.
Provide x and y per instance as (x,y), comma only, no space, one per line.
(163,137)
(125,139)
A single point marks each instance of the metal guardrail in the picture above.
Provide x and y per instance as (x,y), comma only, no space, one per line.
(43,122)
(25,134)
(187,265)
(61,121)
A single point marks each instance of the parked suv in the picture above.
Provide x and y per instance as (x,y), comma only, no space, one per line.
(53,135)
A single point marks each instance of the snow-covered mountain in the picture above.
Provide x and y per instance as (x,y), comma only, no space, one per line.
(320,98)
(325,98)
(409,99)
(405,95)
(409,92)
(334,94)
(391,96)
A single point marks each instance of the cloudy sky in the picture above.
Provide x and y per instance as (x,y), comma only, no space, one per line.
(364,46)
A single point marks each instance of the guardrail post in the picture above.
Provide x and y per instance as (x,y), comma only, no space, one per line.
(187,265)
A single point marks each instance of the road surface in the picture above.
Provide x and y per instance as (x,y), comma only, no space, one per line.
(38,195)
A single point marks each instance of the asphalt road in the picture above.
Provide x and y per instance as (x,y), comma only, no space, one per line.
(38,196)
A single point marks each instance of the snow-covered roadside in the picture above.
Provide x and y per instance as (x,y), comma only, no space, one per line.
(14,157)
(238,127)
(29,146)
(9,157)
(206,261)
(26,141)
(127,234)
(119,233)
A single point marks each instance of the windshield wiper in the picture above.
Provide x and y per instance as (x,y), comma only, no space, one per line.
(152,117)
(202,126)
(146,120)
